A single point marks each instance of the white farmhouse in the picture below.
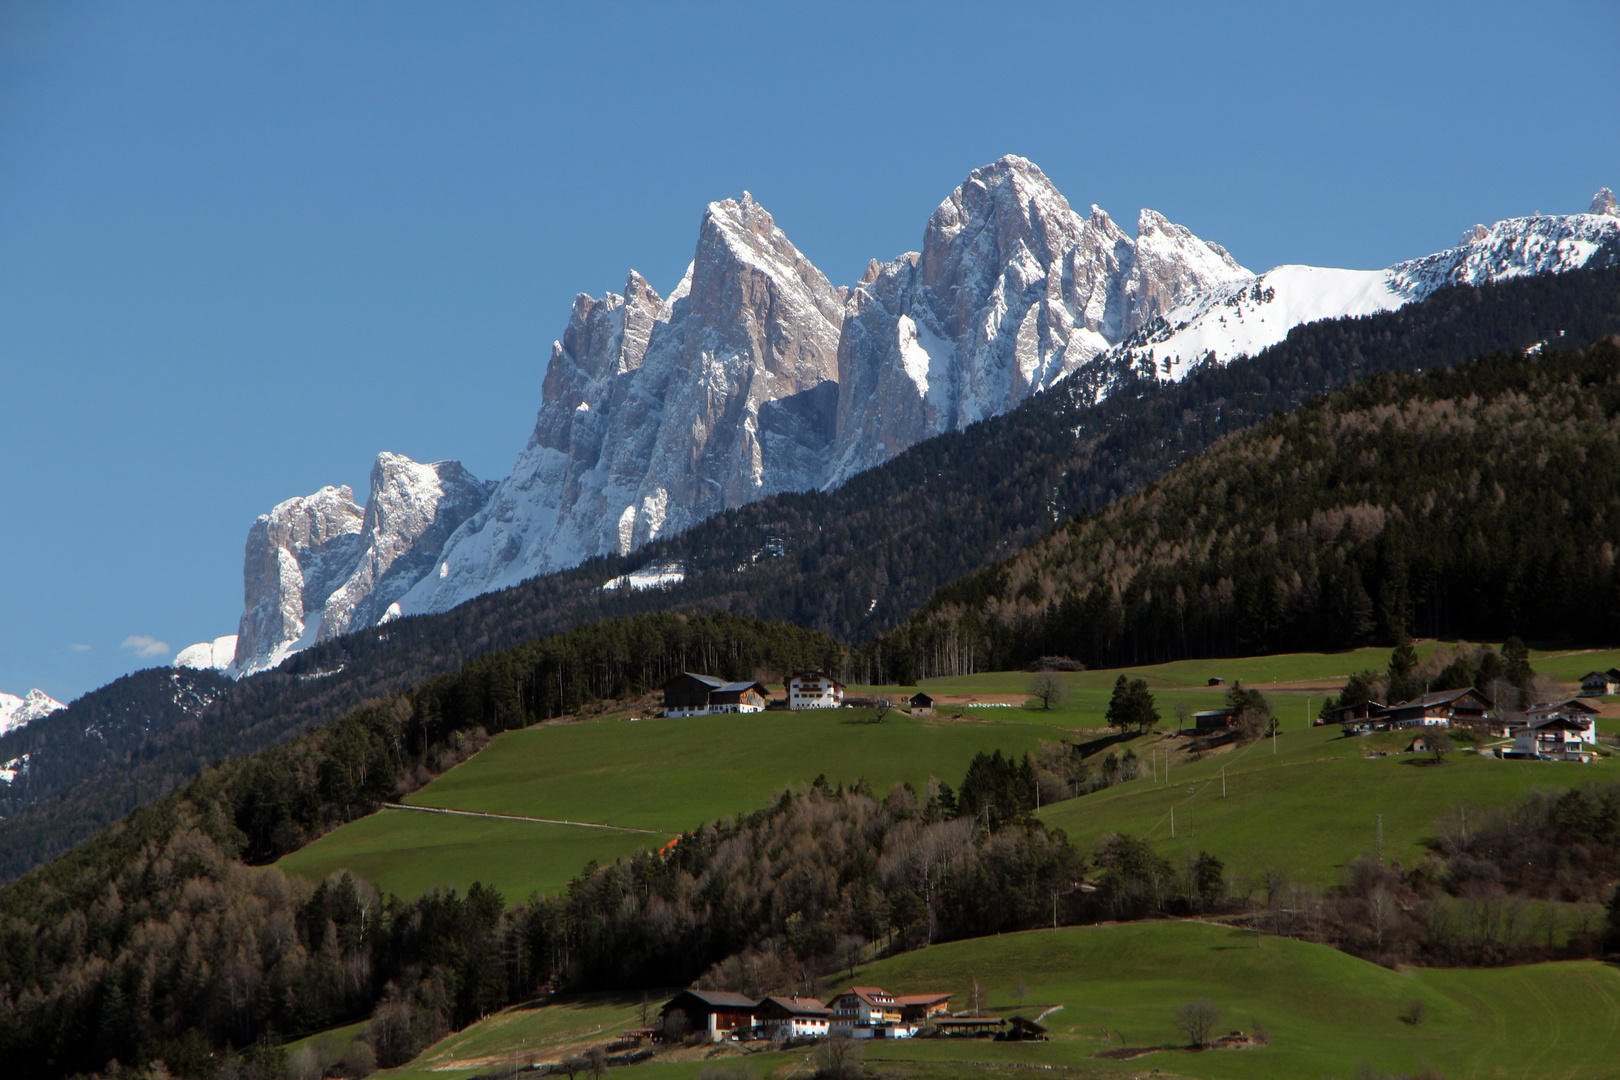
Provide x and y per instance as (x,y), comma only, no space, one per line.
(814,690)
(1560,737)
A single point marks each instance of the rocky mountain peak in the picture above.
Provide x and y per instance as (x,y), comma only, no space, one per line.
(17,711)
(320,565)
(1604,203)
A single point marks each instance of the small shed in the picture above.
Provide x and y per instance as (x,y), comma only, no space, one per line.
(977,1026)
(1211,721)
(1216,680)
(921,704)
(1022,1030)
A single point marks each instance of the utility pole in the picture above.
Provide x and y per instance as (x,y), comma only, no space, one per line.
(1172,823)
(1380,840)
(1223,781)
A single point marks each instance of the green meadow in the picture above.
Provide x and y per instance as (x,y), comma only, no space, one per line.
(1327,1014)
(1306,804)
(666,776)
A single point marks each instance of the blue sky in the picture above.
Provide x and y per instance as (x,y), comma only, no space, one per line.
(244,247)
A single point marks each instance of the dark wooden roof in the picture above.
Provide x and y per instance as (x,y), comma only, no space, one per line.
(711,1001)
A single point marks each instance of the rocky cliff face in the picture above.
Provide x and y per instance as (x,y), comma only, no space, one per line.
(660,412)
(320,565)
(756,375)
(1012,291)
(296,555)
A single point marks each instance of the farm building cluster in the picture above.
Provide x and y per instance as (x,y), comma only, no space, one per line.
(860,1012)
(691,694)
(1552,731)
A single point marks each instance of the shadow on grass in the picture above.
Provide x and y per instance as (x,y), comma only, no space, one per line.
(1098,745)
(624,999)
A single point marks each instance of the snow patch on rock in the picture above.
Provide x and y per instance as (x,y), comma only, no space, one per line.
(16,711)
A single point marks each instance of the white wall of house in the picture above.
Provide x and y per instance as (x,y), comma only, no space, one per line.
(820,693)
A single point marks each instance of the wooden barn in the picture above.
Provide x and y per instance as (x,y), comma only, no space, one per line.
(691,694)
(714,1013)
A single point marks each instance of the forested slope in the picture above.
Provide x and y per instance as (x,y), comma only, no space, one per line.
(853,562)
(1477,501)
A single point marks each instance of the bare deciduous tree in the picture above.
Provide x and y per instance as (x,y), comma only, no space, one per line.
(1197,1020)
(1047,688)
(839,1058)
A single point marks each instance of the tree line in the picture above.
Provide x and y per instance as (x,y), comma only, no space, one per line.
(854,562)
(1475,501)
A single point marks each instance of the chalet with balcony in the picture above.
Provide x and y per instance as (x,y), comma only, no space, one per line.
(1600,683)
(868,1012)
(785,1018)
(1443,709)
(1560,737)
(814,690)
(691,694)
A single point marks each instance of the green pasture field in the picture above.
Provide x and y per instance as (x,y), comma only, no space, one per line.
(1327,1014)
(409,853)
(675,774)
(1307,808)
(535,1032)
(667,776)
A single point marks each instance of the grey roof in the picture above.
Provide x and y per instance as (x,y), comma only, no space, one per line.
(797,1006)
(737,687)
(707,680)
(719,999)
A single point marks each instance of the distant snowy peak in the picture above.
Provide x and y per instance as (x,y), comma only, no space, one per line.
(1604,203)
(320,565)
(16,711)
(1241,319)
(1011,292)
(658,413)
(216,655)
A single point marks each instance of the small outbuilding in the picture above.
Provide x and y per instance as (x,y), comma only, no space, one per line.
(921,704)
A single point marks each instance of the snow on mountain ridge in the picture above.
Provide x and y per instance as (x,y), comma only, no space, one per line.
(1237,320)
(16,711)
(756,375)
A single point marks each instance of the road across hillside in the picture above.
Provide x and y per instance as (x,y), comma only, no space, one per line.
(517,817)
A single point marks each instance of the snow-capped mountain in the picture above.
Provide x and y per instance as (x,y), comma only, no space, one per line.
(16,711)
(756,375)
(1011,292)
(320,565)
(1243,318)
(660,412)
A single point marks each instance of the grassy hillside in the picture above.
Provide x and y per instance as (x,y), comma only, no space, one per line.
(667,776)
(1308,808)
(1305,810)
(1327,1013)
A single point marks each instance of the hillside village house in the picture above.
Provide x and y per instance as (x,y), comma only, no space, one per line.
(1600,683)
(861,1012)
(792,1018)
(921,704)
(1511,724)
(1560,736)
(690,694)
(1440,709)
(716,1014)
(814,690)
(868,1012)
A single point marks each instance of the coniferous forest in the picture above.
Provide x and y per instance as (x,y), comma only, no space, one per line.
(1476,501)
(851,563)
